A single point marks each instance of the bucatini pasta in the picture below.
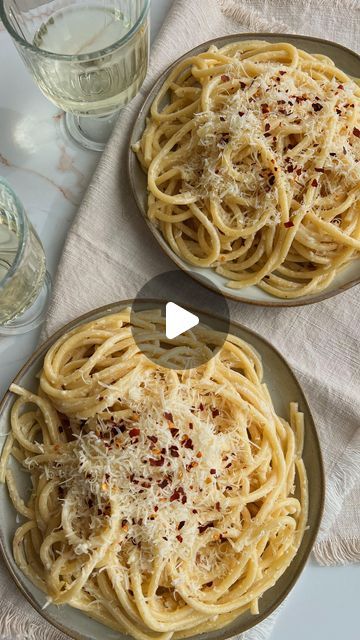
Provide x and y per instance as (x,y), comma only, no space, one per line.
(163,501)
(252,159)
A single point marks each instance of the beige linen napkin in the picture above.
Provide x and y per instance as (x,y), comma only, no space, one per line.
(109,254)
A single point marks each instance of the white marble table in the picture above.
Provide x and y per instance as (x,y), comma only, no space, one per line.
(50,175)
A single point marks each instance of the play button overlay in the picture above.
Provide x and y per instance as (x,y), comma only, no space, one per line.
(178,320)
(179,323)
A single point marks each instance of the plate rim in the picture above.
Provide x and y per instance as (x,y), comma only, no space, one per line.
(42,349)
(132,161)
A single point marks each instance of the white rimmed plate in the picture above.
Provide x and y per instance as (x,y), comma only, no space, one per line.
(346,60)
(283,387)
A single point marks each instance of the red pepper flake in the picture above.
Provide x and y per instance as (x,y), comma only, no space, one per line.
(282,73)
(281,101)
(215,413)
(341,86)
(224,139)
(194,511)
(164,483)
(338,111)
(333,154)
(188,444)
(174,451)
(225,78)
(157,463)
(184,500)
(209,584)
(230,463)
(168,416)
(272,179)
(314,183)
(241,113)
(288,224)
(290,168)
(319,169)
(181,525)
(242,85)
(356,132)
(222,119)
(201,406)
(265,108)
(217,506)
(156,508)
(213,472)
(175,496)
(317,106)
(179,538)
(146,485)
(191,426)
(299,171)
(134,432)
(153,439)
(203,527)
(174,432)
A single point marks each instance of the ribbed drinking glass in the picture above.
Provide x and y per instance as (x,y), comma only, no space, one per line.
(89,57)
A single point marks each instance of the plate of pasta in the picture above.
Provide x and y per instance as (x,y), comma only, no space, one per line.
(245,163)
(138,500)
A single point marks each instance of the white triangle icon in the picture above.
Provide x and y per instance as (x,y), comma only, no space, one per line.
(178,320)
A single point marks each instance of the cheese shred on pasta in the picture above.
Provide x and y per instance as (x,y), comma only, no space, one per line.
(164,502)
(252,159)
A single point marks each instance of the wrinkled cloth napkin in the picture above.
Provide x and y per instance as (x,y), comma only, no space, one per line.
(110,254)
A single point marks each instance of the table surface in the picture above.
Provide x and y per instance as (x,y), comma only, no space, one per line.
(50,175)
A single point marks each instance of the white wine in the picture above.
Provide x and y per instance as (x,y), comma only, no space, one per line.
(9,244)
(93,84)
(80,29)
(20,283)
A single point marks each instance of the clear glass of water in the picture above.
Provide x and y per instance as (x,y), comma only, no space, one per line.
(25,284)
(89,57)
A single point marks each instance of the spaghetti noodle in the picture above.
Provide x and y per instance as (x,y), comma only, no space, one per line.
(252,159)
(164,502)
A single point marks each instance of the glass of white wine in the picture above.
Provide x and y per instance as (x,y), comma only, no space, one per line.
(25,285)
(89,57)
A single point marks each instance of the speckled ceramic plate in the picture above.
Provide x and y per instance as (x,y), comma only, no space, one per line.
(283,388)
(346,60)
